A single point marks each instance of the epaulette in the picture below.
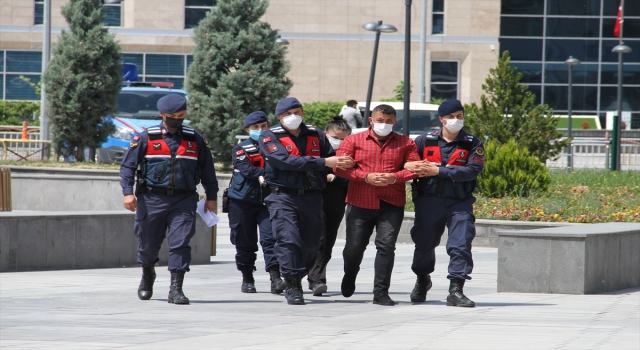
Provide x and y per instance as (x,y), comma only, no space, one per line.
(188,130)
(248,147)
(277,129)
(154,130)
(311,127)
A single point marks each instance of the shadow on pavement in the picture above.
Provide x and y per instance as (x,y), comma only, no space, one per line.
(226,301)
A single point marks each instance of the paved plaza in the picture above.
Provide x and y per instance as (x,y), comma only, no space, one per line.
(99,309)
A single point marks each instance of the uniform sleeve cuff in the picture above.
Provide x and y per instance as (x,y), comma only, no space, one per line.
(127,191)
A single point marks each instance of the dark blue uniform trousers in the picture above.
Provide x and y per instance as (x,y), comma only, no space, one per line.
(156,214)
(297,223)
(244,220)
(432,214)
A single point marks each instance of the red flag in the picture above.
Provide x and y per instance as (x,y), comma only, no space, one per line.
(616,29)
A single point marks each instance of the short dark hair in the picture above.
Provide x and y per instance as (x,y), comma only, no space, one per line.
(337,123)
(352,102)
(385,109)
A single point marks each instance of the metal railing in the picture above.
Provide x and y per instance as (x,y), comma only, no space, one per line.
(596,154)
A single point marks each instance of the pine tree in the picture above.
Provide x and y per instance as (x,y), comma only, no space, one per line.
(237,68)
(82,80)
(507,110)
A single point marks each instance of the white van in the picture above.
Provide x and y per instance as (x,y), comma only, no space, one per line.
(424,117)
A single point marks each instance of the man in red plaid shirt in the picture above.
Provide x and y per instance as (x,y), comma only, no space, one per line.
(375,198)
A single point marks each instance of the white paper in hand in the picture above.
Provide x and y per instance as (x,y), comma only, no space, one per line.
(210,218)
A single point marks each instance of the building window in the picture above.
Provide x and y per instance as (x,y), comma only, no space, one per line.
(38,17)
(541,34)
(444,79)
(17,70)
(437,26)
(160,67)
(195,11)
(113,15)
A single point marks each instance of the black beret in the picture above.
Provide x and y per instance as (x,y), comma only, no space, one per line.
(172,103)
(286,104)
(255,118)
(449,106)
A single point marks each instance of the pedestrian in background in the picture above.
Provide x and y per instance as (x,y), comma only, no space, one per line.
(333,206)
(376,198)
(246,210)
(352,115)
(452,161)
(173,159)
(296,157)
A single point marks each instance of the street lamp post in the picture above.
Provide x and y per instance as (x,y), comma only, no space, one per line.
(407,67)
(571,61)
(378,28)
(620,49)
(46,54)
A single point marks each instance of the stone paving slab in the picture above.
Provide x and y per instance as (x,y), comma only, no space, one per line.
(98,309)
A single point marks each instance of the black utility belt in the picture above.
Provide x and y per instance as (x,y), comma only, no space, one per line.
(293,191)
(165,191)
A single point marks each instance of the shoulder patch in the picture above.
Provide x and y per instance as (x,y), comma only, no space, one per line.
(136,138)
(242,157)
(239,152)
(480,151)
(266,139)
(133,144)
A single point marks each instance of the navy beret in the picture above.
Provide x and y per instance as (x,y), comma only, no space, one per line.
(449,106)
(286,104)
(254,118)
(172,103)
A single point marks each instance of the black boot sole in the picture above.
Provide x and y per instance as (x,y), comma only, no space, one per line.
(460,305)
(179,302)
(378,303)
(296,302)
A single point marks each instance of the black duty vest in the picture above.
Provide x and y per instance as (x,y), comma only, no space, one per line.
(307,180)
(440,186)
(241,188)
(162,168)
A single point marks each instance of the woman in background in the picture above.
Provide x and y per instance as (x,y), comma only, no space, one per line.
(333,197)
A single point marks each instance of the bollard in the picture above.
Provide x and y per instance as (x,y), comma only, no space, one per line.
(24,130)
(5,189)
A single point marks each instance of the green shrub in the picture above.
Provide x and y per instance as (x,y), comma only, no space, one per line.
(14,112)
(320,113)
(510,170)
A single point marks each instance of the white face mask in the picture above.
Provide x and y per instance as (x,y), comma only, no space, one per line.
(292,121)
(454,125)
(335,143)
(382,129)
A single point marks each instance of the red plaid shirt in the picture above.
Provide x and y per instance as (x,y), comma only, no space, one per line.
(371,157)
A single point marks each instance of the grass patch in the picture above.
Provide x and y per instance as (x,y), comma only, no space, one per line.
(587,196)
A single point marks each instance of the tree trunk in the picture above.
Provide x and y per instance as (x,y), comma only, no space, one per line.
(92,155)
(80,154)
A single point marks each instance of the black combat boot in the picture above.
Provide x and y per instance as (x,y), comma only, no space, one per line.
(382,298)
(419,292)
(456,297)
(145,290)
(277,284)
(294,293)
(248,283)
(176,296)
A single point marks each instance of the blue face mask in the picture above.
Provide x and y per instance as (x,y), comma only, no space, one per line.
(255,134)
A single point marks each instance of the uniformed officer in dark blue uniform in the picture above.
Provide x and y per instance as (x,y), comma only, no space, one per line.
(246,210)
(296,157)
(173,159)
(452,160)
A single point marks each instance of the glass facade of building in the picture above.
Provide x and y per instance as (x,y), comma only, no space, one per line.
(20,69)
(541,34)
